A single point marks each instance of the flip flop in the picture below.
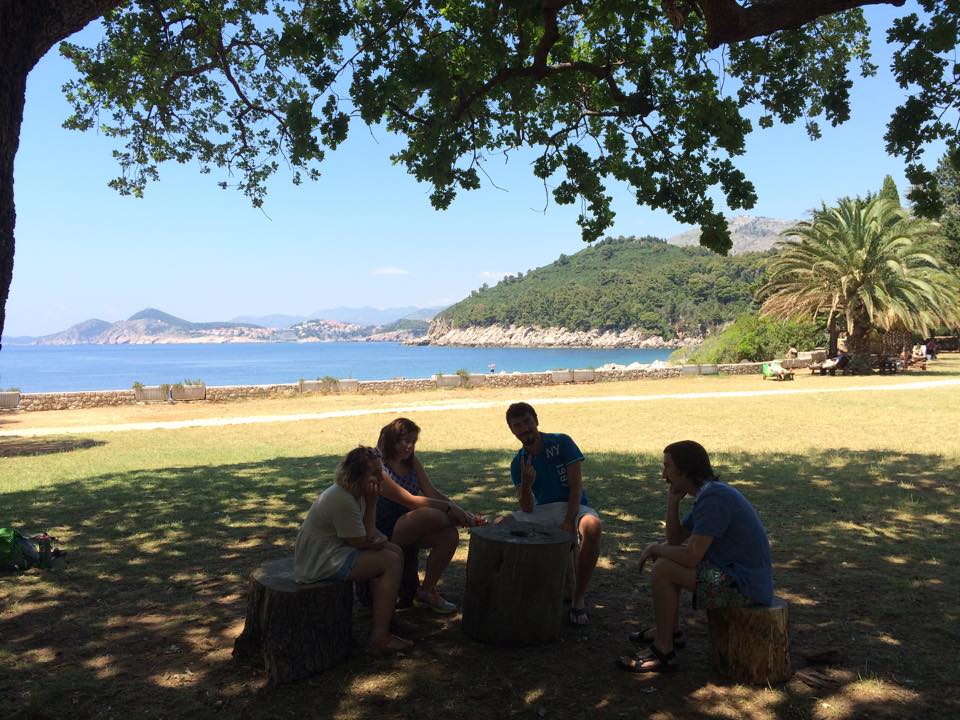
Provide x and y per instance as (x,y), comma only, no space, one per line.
(578,617)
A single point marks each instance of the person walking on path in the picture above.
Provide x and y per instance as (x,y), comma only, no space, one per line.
(547,475)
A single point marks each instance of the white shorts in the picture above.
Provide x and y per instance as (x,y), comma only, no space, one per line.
(552,515)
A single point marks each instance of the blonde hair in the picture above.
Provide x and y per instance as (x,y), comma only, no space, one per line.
(352,470)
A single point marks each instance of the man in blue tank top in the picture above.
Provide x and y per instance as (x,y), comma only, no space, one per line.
(546,472)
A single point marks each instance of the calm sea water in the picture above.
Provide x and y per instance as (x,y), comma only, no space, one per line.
(115,367)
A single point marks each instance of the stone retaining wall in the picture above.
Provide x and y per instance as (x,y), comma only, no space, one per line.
(230,393)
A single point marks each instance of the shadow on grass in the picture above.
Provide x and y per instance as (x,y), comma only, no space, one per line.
(142,619)
(15,447)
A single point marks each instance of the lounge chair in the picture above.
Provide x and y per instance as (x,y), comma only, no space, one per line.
(775,371)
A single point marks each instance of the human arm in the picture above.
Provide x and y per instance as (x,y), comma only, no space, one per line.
(677,533)
(456,513)
(686,555)
(528,476)
(392,491)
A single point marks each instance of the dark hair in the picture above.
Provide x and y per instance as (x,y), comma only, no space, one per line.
(391,433)
(691,459)
(351,470)
(519,409)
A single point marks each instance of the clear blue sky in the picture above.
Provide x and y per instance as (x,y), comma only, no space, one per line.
(365,234)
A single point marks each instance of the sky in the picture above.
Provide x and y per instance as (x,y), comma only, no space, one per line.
(365,234)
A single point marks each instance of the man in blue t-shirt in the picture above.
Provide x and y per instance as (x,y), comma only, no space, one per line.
(547,475)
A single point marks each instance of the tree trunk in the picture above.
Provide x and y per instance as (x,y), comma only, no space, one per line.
(515,581)
(293,631)
(28,29)
(752,644)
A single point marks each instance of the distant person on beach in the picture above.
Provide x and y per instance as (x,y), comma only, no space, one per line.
(412,512)
(547,475)
(719,552)
(339,541)
(792,352)
(492,367)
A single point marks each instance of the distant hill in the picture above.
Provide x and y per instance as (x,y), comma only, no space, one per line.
(270,321)
(152,326)
(615,285)
(374,316)
(17,340)
(749,234)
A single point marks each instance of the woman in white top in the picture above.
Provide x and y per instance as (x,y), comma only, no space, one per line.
(339,541)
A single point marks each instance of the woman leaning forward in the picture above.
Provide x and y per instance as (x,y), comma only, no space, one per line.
(339,541)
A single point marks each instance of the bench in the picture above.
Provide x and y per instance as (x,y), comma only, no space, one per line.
(751,644)
(292,630)
(886,366)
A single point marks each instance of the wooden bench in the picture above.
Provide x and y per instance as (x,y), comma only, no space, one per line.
(292,630)
(751,645)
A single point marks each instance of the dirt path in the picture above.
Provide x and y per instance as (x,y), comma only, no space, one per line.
(467,405)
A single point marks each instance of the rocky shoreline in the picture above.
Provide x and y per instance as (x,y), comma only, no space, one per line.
(441,334)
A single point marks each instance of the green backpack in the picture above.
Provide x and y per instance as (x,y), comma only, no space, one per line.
(17,552)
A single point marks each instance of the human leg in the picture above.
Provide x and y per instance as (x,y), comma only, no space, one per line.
(589,530)
(429,528)
(383,568)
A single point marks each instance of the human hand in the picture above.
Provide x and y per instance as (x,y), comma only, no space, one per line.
(650,552)
(372,489)
(567,525)
(376,540)
(477,520)
(528,472)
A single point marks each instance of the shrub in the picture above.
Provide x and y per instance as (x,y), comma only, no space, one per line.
(755,338)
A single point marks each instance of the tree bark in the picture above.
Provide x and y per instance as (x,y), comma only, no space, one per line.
(293,631)
(728,21)
(28,29)
(515,581)
(752,644)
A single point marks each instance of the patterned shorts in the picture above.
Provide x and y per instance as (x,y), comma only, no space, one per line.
(716,589)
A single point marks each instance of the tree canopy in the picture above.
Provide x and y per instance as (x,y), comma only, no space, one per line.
(868,262)
(652,93)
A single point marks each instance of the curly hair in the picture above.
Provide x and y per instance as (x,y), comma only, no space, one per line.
(353,469)
(391,433)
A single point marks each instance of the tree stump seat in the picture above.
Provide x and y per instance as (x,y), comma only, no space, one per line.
(751,644)
(293,630)
(516,573)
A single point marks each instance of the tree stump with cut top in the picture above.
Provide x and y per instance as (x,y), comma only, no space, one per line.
(751,644)
(515,580)
(293,630)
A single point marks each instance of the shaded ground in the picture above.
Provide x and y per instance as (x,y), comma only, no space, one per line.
(141,620)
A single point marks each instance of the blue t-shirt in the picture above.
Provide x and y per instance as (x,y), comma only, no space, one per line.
(740,546)
(551,463)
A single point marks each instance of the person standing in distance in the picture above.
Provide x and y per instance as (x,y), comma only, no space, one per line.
(547,474)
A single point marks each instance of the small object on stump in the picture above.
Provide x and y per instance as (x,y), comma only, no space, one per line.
(751,644)
(515,580)
(293,630)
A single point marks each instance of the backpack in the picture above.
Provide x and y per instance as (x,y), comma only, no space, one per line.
(18,552)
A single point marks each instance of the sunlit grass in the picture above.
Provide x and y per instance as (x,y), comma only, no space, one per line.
(858,492)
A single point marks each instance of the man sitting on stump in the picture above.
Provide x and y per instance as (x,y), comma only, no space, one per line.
(547,474)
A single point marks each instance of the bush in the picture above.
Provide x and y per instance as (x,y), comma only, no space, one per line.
(755,338)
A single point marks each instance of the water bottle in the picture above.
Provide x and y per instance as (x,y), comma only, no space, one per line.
(45,546)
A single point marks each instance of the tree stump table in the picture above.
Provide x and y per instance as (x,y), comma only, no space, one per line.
(292,630)
(751,644)
(515,581)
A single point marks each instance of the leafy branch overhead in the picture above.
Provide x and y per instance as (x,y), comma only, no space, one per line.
(654,94)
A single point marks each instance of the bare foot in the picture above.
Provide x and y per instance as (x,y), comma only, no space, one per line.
(391,646)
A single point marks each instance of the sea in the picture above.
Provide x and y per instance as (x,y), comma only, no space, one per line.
(47,368)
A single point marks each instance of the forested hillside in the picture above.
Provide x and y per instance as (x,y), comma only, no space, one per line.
(620,283)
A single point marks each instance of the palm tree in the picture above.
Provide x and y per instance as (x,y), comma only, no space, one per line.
(868,263)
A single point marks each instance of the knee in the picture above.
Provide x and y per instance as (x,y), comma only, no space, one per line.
(449,536)
(394,549)
(661,572)
(590,528)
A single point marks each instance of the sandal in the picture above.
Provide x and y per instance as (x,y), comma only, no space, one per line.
(391,647)
(662,662)
(646,637)
(578,617)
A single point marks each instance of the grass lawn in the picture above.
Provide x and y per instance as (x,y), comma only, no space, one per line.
(162,527)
